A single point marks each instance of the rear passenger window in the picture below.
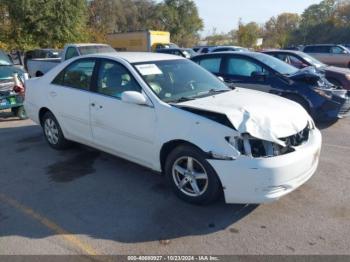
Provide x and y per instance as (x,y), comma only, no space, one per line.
(211,64)
(77,75)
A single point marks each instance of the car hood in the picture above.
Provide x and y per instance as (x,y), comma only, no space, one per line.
(264,116)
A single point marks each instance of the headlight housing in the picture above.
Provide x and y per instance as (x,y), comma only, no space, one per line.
(323,93)
(257,148)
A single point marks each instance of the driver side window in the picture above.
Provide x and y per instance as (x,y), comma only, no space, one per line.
(114,79)
(242,67)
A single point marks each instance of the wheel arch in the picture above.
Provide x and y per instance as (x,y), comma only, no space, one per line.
(42,112)
(169,146)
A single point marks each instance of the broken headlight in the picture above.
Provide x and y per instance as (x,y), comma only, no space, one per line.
(253,147)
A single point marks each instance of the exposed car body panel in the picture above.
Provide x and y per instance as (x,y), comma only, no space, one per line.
(255,113)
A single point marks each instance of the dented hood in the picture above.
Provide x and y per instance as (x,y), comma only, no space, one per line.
(264,116)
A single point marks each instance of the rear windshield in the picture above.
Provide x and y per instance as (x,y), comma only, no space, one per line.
(95,49)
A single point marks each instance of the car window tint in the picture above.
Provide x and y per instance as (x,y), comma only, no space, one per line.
(71,52)
(242,67)
(114,79)
(211,64)
(337,50)
(77,75)
(282,57)
(295,61)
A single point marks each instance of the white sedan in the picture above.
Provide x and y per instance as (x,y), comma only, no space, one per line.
(172,116)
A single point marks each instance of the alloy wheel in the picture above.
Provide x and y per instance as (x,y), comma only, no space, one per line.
(51,131)
(190,176)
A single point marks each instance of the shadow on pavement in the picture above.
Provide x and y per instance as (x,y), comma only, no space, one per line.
(88,192)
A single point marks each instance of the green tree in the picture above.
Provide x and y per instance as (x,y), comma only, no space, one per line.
(46,23)
(279,29)
(248,34)
(181,19)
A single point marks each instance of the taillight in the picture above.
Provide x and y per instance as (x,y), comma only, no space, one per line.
(18,89)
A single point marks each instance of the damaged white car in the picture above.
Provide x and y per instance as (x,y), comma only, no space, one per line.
(171,115)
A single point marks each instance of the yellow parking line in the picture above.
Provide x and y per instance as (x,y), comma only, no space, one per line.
(67,236)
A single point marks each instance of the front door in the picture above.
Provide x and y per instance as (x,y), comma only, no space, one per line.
(127,130)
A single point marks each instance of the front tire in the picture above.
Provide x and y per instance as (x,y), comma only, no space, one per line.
(53,132)
(191,176)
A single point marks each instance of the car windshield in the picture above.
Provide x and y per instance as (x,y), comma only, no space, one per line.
(4,59)
(95,49)
(276,64)
(311,60)
(179,80)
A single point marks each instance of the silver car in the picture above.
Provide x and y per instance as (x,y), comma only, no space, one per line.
(336,55)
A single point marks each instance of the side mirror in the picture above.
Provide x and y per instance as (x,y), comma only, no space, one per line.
(221,78)
(133,97)
(259,76)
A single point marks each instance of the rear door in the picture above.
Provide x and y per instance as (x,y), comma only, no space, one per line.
(69,96)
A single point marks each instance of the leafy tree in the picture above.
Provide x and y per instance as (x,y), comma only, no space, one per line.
(248,34)
(45,23)
(278,29)
(181,19)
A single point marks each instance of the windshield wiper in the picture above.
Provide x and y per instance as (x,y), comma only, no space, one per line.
(181,99)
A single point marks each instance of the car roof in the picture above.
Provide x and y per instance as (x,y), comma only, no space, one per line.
(138,57)
(86,44)
(244,53)
(283,51)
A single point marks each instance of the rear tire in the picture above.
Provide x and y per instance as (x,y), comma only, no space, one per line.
(53,132)
(191,176)
(20,113)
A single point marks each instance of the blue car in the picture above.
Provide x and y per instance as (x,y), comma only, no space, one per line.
(268,74)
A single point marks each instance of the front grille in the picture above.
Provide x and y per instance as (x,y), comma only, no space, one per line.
(345,109)
(297,139)
(6,85)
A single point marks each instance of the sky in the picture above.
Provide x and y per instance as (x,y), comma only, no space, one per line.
(224,14)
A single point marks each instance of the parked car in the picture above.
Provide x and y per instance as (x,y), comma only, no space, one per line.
(228,49)
(268,74)
(41,54)
(39,67)
(338,76)
(184,52)
(203,49)
(336,55)
(11,91)
(170,115)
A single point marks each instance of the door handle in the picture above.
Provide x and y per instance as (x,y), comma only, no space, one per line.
(93,104)
(53,94)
